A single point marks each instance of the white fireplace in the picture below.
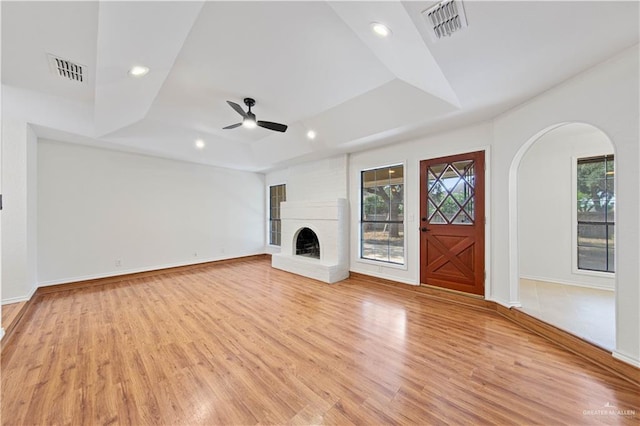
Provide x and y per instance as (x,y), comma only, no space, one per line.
(328,222)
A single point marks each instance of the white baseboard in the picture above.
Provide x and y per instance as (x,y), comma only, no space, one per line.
(19,298)
(137,270)
(12,300)
(114,274)
(626,358)
(507,305)
(565,282)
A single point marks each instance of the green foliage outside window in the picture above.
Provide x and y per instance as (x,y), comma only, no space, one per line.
(595,185)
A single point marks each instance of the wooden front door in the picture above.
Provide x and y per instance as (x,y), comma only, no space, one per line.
(452,222)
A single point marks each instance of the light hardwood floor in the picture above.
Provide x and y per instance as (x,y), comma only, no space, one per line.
(10,313)
(245,344)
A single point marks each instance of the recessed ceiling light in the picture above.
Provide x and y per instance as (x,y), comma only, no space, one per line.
(138,71)
(381,30)
(311,134)
(199,143)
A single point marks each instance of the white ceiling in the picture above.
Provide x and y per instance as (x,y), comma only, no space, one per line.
(311,65)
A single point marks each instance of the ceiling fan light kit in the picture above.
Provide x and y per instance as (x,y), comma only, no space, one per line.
(249,118)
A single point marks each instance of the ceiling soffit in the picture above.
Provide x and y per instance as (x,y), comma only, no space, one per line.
(311,65)
(136,33)
(404,52)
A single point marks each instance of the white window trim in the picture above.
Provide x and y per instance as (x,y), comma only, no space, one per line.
(384,263)
(268,216)
(574,223)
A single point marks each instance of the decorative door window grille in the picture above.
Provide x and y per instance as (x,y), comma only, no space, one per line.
(451,193)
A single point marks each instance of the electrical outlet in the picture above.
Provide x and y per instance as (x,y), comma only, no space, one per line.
(118,263)
(195,254)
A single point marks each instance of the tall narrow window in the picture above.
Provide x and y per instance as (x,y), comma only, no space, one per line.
(277,194)
(596,207)
(382,214)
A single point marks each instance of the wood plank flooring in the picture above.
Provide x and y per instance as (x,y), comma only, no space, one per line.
(246,344)
(10,313)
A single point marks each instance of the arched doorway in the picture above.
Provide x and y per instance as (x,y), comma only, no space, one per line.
(565,225)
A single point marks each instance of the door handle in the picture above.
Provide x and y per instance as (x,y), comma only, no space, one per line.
(423,229)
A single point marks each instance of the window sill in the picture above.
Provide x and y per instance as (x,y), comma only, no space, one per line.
(382,264)
(599,274)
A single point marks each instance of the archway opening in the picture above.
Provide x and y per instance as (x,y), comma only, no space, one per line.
(566,231)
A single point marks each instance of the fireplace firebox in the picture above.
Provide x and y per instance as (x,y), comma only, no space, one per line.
(307,244)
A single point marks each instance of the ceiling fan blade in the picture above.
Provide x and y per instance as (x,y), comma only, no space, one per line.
(233,126)
(238,108)
(273,126)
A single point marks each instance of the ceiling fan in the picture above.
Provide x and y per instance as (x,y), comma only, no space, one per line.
(249,118)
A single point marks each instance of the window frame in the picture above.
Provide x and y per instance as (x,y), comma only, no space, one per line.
(270,219)
(377,262)
(574,218)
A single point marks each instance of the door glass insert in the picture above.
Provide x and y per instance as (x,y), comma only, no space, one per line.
(451,193)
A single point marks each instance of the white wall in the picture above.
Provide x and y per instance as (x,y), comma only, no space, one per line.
(1,215)
(475,138)
(32,209)
(97,207)
(322,180)
(546,205)
(19,224)
(606,97)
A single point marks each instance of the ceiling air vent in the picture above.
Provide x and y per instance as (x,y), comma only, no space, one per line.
(66,69)
(445,18)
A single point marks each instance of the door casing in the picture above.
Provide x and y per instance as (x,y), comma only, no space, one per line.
(452,256)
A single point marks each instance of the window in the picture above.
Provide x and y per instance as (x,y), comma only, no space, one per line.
(382,214)
(596,207)
(277,194)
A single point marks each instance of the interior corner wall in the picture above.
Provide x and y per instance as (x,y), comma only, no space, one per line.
(19,215)
(321,180)
(32,210)
(104,213)
(546,203)
(1,215)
